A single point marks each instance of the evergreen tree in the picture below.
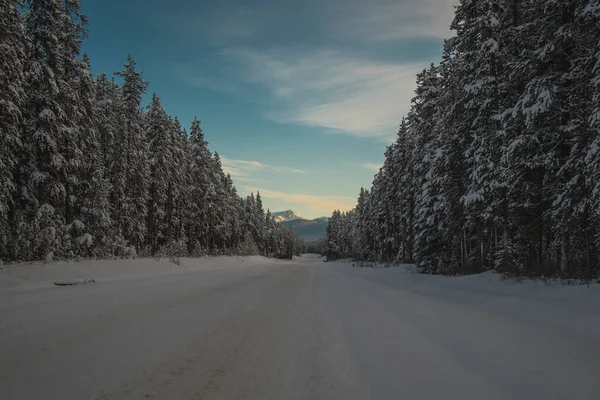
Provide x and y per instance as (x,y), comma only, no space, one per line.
(55,31)
(131,171)
(92,209)
(592,158)
(447,172)
(479,65)
(404,197)
(161,158)
(421,123)
(217,203)
(572,208)
(180,170)
(107,105)
(12,99)
(200,163)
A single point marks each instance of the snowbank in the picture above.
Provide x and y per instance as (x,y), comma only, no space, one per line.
(30,276)
(568,306)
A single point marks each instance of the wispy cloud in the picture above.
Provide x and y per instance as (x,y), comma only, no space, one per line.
(243,168)
(215,24)
(371,166)
(384,20)
(332,90)
(307,83)
(320,205)
(247,179)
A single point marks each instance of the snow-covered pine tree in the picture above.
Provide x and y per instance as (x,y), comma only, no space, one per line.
(421,120)
(219,224)
(333,237)
(521,168)
(158,132)
(404,181)
(248,244)
(233,214)
(364,243)
(225,209)
(131,171)
(249,220)
(270,226)
(93,226)
(12,98)
(391,195)
(72,33)
(107,104)
(576,38)
(55,30)
(447,177)
(395,184)
(200,164)
(479,66)
(384,205)
(348,232)
(549,150)
(259,222)
(593,155)
(182,188)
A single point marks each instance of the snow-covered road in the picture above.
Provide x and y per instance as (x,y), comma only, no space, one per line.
(302,329)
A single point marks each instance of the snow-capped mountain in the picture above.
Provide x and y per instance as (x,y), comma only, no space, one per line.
(287,215)
(307,229)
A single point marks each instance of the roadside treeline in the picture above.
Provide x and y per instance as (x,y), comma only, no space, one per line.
(497,164)
(86,171)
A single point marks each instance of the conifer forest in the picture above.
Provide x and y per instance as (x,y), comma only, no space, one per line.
(497,164)
(86,170)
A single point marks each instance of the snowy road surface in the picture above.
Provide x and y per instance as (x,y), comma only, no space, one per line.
(292,330)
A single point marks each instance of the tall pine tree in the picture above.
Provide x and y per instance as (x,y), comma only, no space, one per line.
(131,170)
(12,99)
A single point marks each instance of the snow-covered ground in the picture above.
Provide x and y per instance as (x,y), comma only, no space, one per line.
(560,303)
(253,328)
(37,275)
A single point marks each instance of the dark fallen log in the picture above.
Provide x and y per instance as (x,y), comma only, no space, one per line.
(73,283)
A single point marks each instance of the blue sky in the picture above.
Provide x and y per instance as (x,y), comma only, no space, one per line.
(299,98)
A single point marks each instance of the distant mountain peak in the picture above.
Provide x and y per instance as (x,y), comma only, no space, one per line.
(287,215)
(309,230)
